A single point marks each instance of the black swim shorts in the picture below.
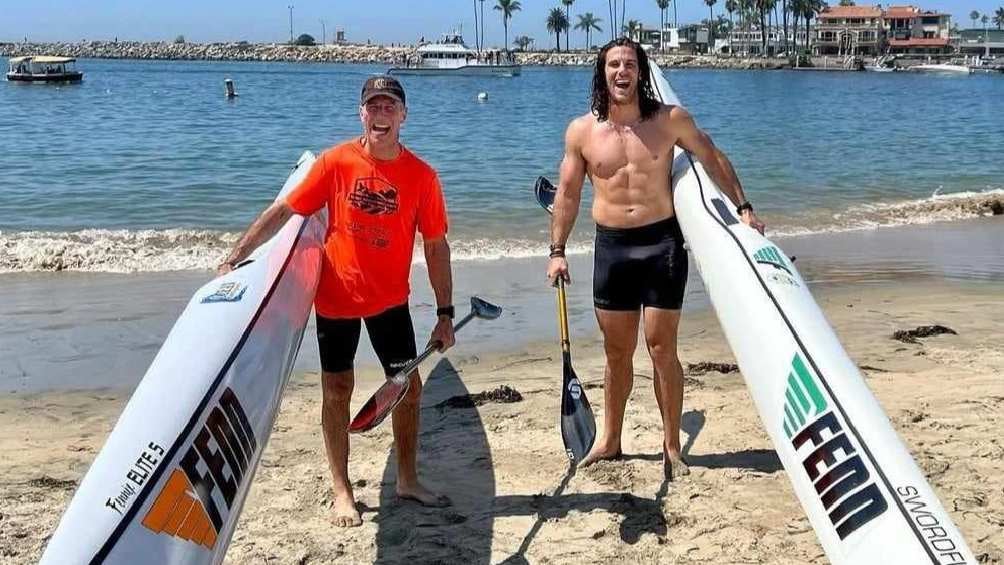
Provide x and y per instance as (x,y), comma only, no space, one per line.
(643,266)
(391,334)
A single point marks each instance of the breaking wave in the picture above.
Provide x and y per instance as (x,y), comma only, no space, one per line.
(130,251)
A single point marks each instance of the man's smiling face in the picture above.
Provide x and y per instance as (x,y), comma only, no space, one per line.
(622,75)
(382,117)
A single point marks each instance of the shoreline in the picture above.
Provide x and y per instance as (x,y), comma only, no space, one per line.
(344,53)
(501,462)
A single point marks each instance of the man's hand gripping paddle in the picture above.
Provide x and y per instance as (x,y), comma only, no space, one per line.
(578,425)
(393,390)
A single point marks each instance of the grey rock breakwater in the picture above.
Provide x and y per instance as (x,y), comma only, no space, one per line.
(243,51)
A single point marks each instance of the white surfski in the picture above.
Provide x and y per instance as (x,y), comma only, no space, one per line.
(864,495)
(169,484)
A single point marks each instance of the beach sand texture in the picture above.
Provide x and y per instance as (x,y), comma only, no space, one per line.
(503,462)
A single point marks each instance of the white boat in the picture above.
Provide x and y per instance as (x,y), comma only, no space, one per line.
(879,69)
(861,490)
(944,68)
(450,56)
(42,68)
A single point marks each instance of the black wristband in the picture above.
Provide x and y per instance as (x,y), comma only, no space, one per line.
(447,311)
(743,207)
(557,250)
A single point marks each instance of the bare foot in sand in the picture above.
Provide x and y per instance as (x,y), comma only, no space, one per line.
(674,466)
(345,513)
(423,496)
(601,454)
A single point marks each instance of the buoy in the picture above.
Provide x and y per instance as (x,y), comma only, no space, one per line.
(228,85)
(482,96)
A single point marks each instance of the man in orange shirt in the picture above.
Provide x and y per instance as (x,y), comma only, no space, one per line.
(378,194)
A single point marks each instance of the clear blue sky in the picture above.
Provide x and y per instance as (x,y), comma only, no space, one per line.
(382,21)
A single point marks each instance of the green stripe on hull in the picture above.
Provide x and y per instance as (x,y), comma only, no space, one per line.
(809,384)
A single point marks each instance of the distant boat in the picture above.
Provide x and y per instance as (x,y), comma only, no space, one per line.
(943,68)
(450,56)
(879,69)
(43,68)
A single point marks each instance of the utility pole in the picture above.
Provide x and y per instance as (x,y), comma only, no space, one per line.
(290,24)
(324,33)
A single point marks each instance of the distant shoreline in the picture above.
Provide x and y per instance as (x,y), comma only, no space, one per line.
(348,53)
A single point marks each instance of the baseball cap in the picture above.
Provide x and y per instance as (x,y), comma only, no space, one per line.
(382,85)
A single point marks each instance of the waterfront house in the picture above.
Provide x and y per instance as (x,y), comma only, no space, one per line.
(981,42)
(849,30)
(910,30)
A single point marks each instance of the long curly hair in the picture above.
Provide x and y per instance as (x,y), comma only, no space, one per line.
(647,100)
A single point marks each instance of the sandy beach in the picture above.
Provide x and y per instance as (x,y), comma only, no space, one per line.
(503,464)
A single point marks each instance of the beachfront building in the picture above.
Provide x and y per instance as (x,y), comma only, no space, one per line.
(849,30)
(749,42)
(694,38)
(981,42)
(668,38)
(910,30)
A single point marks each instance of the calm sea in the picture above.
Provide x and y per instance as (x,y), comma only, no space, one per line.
(145,166)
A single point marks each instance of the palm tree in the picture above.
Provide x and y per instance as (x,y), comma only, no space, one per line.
(974,15)
(587,23)
(663,5)
(984,18)
(730,7)
(612,11)
(711,27)
(477,33)
(508,8)
(556,24)
(633,29)
(999,18)
(522,42)
(568,18)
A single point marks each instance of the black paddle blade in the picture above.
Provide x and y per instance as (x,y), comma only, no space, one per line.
(578,426)
(382,403)
(544,192)
(484,309)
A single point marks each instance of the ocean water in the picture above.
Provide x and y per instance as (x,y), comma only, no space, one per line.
(146,167)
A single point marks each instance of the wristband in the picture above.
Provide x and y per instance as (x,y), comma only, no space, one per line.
(557,250)
(447,311)
(743,207)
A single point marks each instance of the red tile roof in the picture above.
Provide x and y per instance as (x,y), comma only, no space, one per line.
(908,12)
(918,42)
(851,12)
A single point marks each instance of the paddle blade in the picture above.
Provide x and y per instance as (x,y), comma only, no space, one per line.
(382,403)
(544,192)
(578,426)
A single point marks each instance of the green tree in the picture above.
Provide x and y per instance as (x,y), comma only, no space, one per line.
(663,6)
(711,28)
(974,15)
(999,18)
(522,42)
(304,39)
(846,2)
(587,23)
(984,18)
(508,8)
(180,39)
(633,29)
(556,24)
(568,18)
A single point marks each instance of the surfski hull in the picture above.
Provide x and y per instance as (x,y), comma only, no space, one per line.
(169,484)
(861,490)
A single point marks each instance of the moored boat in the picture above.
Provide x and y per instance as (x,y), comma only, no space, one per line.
(450,56)
(43,68)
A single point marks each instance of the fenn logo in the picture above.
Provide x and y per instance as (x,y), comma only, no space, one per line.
(210,472)
(842,481)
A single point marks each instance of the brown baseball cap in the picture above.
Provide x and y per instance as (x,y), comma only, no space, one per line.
(382,85)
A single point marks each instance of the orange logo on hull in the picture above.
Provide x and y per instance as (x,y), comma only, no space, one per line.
(178,512)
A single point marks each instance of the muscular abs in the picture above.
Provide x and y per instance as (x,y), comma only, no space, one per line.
(630,170)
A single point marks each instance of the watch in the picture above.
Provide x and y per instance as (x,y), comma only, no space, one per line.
(743,207)
(447,311)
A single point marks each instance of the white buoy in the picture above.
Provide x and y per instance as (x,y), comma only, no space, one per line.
(482,96)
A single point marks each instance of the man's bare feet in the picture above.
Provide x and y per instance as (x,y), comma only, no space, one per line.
(674,466)
(345,513)
(600,454)
(425,497)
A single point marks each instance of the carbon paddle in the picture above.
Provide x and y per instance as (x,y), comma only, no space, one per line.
(393,390)
(578,425)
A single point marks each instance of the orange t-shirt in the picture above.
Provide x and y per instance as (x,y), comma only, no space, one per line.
(374,209)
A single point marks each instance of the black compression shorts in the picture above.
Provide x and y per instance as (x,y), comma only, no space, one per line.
(643,266)
(391,334)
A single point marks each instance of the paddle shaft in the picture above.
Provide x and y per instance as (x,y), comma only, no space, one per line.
(407,369)
(563,316)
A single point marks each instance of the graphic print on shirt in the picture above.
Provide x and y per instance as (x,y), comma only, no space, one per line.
(374,196)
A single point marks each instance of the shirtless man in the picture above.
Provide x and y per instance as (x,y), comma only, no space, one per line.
(625,145)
